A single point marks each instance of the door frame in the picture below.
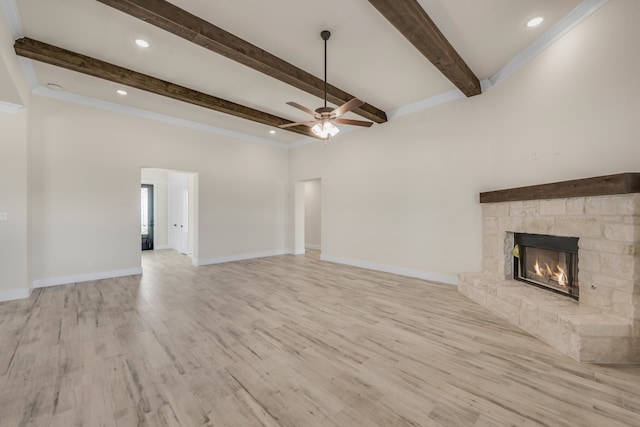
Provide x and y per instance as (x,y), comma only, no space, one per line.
(194,203)
(298,233)
(299,246)
(175,182)
(155,204)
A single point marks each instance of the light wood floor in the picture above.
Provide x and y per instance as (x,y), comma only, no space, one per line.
(287,341)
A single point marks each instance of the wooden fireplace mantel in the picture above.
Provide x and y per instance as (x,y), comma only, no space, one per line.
(623,183)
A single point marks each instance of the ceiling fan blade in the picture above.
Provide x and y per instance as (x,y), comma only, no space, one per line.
(309,123)
(347,106)
(301,107)
(354,122)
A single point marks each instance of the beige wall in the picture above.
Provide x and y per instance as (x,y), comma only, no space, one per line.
(14,175)
(86,179)
(14,242)
(580,98)
(312,214)
(405,194)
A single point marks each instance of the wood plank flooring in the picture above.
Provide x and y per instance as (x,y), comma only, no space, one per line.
(287,341)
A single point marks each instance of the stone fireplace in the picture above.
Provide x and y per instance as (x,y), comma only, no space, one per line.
(580,240)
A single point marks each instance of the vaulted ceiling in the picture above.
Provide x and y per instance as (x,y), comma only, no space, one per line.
(247,58)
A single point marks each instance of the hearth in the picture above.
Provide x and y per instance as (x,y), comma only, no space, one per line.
(549,262)
(602,212)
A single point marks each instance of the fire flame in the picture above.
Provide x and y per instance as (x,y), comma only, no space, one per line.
(560,276)
(537,268)
(549,272)
(557,274)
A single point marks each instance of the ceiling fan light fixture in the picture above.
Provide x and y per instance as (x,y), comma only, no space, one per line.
(331,129)
(325,130)
(318,130)
(324,117)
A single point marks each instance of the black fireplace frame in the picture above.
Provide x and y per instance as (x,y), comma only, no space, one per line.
(555,243)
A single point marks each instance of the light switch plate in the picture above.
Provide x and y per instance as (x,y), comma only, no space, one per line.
(3,216)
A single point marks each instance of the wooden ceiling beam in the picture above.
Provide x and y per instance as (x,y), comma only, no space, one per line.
(57,56)
(413,22)
(171,18)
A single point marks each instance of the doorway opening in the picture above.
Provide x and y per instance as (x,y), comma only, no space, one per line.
(174,210)
(147,216)
(312,215)
(308,218)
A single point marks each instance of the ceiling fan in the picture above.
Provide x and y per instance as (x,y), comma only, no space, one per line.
(325,117)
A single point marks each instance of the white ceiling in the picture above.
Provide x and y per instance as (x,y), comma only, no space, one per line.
(367,56)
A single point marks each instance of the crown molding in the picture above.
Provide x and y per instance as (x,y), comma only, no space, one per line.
(8,108)
(562,27)
(585,9)
(434,101)
(137,112)
(10,11)
(30,75)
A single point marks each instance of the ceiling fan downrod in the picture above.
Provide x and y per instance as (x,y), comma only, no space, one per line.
(325,34)
(323,125)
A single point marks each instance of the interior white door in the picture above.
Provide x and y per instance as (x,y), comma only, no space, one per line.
(179,214)
(183,245)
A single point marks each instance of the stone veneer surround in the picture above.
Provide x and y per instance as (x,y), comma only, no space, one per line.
(604,326)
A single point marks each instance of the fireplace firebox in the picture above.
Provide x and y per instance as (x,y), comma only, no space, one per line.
(549,262)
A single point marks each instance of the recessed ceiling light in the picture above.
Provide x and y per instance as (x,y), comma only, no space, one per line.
(121,92)
(272,132)
(54,86)
(535,21)
(142,43)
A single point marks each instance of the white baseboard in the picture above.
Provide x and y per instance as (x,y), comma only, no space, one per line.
(297,252)
(14,294)
(160,247)
(312,246)
(433,277)
(240,257)
(65,280)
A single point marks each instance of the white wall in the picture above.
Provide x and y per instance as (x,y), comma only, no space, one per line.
(86,197)
(14,175)
(312,214)
(403,196)
(14,242)
(580,96)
